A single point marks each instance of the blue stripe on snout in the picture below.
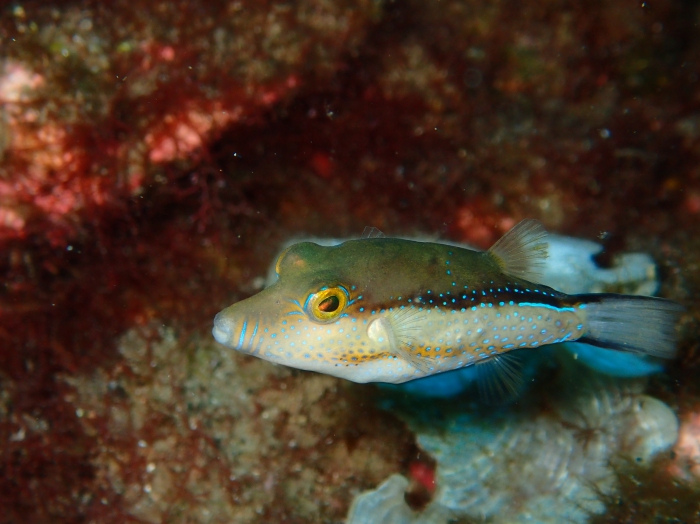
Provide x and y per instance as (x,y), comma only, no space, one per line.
(240,339)
(252,337)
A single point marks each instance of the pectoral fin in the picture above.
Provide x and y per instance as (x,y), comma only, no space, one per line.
(399,327)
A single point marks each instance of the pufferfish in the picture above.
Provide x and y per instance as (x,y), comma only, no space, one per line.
(392,310)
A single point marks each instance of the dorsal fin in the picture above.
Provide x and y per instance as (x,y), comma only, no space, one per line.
(521,252)
(372,232)
(500,378)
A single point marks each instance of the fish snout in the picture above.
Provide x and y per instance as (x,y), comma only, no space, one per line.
(237,331)
(223,329)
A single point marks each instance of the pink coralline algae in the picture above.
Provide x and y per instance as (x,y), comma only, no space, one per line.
(686,464)
(95,102)
(154,156)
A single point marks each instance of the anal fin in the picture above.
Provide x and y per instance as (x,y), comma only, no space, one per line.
(501,378)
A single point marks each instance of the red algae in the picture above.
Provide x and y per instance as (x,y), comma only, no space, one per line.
(95,100)
(154,156)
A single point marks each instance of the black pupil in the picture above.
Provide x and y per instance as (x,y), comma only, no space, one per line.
(330,304)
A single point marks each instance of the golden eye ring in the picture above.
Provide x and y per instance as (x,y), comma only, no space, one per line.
(327,303)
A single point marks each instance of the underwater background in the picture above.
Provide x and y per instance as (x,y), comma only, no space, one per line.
(154,158)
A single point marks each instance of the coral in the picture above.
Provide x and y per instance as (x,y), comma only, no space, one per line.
(520,465)
(386,504)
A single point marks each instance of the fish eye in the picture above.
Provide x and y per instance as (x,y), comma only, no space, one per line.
(327,303)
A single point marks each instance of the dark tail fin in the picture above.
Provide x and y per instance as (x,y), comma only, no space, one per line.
(631,323)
